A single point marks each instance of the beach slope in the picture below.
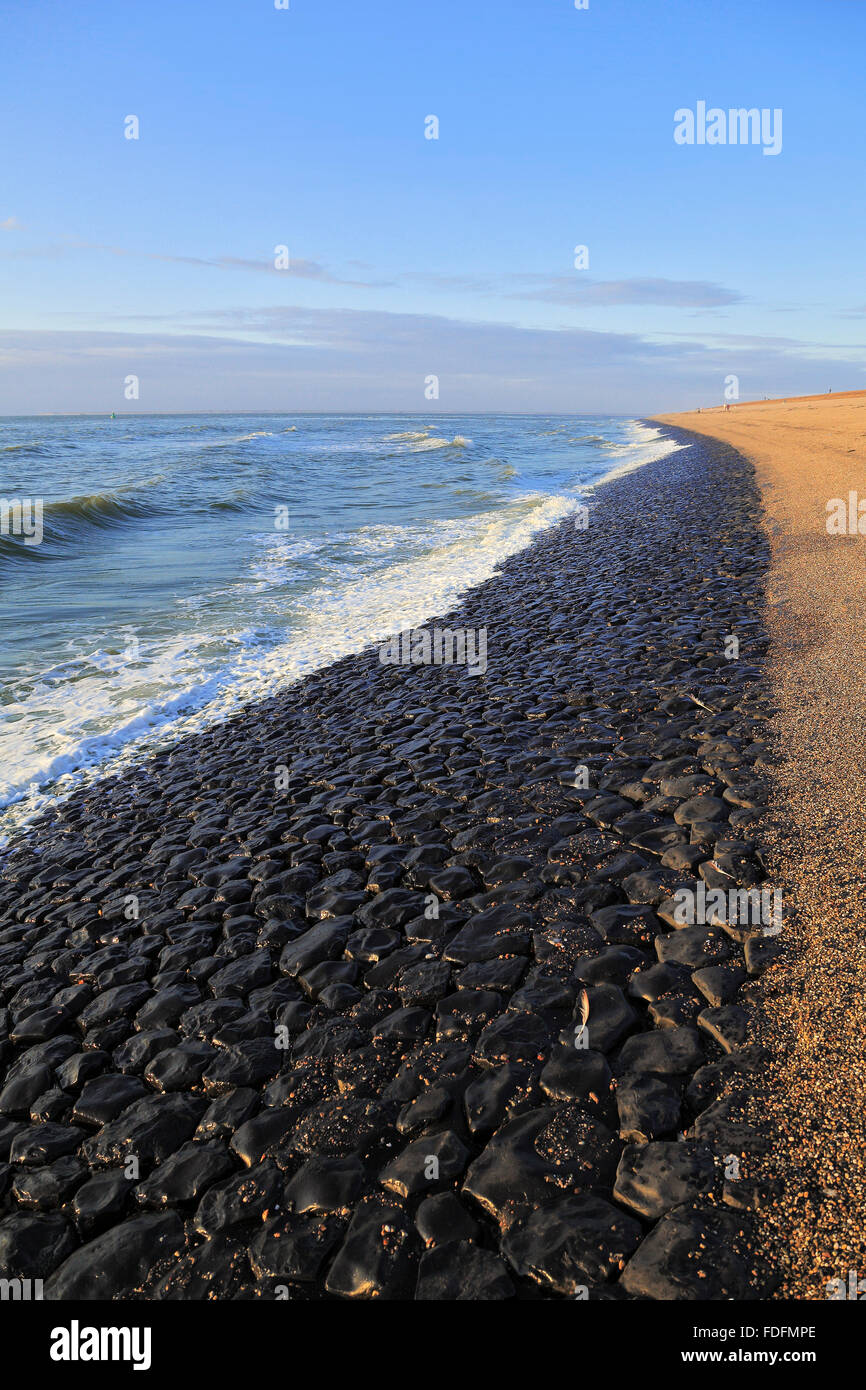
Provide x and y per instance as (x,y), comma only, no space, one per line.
(808,454)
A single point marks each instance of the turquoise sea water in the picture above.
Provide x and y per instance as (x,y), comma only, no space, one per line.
(190,563)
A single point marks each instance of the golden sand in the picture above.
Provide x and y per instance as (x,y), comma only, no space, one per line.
(810,1006)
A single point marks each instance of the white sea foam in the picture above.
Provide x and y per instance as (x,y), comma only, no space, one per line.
(418,441)
(172,689)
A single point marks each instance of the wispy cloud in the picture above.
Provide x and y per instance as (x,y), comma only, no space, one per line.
(574,289)
(10,224)
(294,358)
(298,266)
(580,290)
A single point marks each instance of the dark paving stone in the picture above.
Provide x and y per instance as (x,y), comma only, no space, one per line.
(579,1240)
(653,1178)
(462,1273)
(117,1262)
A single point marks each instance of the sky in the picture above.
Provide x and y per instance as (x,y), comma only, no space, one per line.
(419,265)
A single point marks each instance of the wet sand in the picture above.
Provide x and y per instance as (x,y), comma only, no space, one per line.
(810,1005)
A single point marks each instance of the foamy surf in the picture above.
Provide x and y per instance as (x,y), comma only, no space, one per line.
(292,602)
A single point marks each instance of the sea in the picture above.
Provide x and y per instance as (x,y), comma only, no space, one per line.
(188,564)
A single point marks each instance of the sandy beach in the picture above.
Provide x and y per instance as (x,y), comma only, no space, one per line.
(808,455)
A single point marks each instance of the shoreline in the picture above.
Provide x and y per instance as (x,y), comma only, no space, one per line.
(193,696)
(333,957)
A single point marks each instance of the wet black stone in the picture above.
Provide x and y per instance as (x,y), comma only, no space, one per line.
(461,1272)
(264,1135)
(515,1038)
(243,975)
(611,1018)
(80,1068)
(691,1254)
(105,1097)
(653,1178)
(372,944)
(443,1220)
(393,908)
(728,1025)
(455,882)
(332,1037)
(374,1260)
(423,984)
(120,1002)
(383,975)
(166,1007)
(498,931)
(324,1185)
(294,1247)
(670,1052)
(436,1160)
(657,980)
(240,1201)
(134,1055)
(720,983)
(217,1269)
(325,941)
(487,1099)
(8,1131)
(100,1202)
(245,1064)
(116,1263)
(466,1013)
(693,946)
(149,1130)
(627,924)
(613,965)
(422,1115)
(21,1091)
(40,1025)
(503,975)
(649,1107)
(52,1106)
(227,1113)
(179,1068)
(339,1127)
(40,1144)
(409,1023)
(722,1125)
(578,1074)
(567,1244)
(47,1188)
(761,951)
(32,1244)
(186,1175)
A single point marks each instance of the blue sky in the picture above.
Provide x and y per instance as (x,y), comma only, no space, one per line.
(412,257)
